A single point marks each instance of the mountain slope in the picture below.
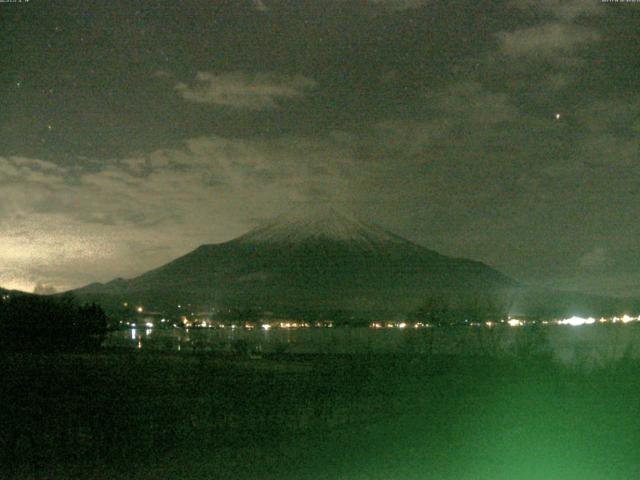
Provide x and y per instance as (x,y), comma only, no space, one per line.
(319,261)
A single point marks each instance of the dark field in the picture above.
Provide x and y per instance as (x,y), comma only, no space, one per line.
(162,416)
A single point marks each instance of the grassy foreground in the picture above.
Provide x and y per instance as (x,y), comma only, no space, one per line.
(162,416)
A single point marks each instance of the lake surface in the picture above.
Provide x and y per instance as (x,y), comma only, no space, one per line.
(584,345)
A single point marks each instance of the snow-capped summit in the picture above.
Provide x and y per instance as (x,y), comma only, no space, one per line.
(320,223)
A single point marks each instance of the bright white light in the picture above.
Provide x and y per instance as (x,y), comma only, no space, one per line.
(577,321)
(402,325)
(149,324)
(139,309)
(514,322)
(266,326)
(627,319)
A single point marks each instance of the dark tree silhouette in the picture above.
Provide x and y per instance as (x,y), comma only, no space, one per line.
(435,311)
(454,308)
(35,323)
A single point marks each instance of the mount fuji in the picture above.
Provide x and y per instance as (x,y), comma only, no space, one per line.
(308,260)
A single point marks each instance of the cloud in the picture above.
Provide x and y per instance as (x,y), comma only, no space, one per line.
(595,258)
(567,10)
(607,151)
(162,74)
(557,81)
(400,4)
(610,115)
(461,115)
(66,227)
(557,38)
(470,102)
(243,91)
(545,40)
(260,6)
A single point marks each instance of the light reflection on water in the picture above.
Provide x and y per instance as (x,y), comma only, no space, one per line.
(567,344)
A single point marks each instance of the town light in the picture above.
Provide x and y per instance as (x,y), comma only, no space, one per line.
(577,321)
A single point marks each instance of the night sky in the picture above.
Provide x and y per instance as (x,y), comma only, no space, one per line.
(131,132)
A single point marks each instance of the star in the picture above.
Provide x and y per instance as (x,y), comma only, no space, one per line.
(557,115)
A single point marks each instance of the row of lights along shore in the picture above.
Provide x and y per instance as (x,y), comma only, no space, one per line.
(185,322)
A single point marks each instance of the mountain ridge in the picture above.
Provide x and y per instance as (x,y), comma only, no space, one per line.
(321,261)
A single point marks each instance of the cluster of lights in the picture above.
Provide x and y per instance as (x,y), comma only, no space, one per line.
(625,319)
(516,322)
(512,322)
(576,321)
(401,325)
(187,323)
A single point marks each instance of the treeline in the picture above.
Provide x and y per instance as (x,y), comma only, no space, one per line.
(32,323)
(458,308)
(256,314)
(446,308)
